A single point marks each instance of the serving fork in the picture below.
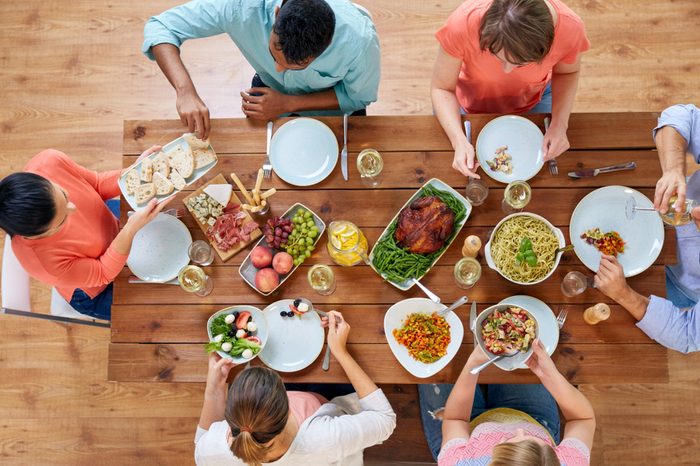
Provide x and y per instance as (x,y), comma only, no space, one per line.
(267,166)
(561,317)
(552,164)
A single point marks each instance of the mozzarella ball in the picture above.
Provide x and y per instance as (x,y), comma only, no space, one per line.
(226,346)
(229,319)
(252,326)
(219,337)
(247,354)
(303,307)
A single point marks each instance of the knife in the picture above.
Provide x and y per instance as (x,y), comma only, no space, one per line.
(472,316)
(344,153)
(589,172)
(135,279)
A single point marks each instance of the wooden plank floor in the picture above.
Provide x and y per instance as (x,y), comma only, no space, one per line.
(72,72)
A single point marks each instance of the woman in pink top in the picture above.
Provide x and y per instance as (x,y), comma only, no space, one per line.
(257,421)
(62,231)
(500,56)
(510,424)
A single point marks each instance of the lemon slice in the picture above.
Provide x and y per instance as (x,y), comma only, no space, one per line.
(335,241)
(342,229)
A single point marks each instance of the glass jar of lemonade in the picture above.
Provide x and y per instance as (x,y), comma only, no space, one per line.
(347,244)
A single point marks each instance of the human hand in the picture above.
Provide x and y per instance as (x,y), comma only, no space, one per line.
(267,106)
(464,162)
(477,357)
(146,153)
(217,374)
(539,362)
(555,142)
(338,330)
(671,183)
(194,114)
(141,217)
(610,278)
(695,214)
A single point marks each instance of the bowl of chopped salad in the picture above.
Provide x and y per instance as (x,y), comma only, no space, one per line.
(506,328)
(238,333)
(423,342)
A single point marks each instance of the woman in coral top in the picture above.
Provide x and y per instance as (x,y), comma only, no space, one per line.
(63,232)
(507,56)
(509,425)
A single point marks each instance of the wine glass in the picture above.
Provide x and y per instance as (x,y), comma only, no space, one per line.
(671,217)
(370,165)
(516,196)
(322,279)
(193,280)
(467,272)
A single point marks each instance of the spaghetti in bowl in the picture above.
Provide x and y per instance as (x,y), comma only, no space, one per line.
(522,248)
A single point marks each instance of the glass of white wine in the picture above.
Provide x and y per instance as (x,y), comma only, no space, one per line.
(193,280)
(370,165)
(321,279)
(671,217)
(467,272)
(516,196)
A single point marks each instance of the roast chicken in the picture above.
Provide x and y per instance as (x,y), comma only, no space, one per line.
(424,225)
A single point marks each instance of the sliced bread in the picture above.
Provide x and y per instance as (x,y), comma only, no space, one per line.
(194,142)
(132,181)
(177,179)
(161,164)
(145,193)
(162,184)
(147,171)
(182,161)
(203,157)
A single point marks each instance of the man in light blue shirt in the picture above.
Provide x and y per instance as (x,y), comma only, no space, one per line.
(309,55)
(674,322)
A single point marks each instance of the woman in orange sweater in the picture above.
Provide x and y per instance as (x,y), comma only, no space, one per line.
(63,232)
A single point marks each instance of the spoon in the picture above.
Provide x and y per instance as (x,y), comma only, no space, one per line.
(433,297)
(454,306)
(483,366)
(564,249)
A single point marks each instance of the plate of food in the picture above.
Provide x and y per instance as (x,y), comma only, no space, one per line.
(509,148)
(303,151)
(522,248)
(419,234)
(599,224)
(514,323)
(238,333)
(295,335)
(165,173)
(423,342)
(159,249)
(218,212)
(286,243)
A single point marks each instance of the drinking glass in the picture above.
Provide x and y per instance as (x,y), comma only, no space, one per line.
(671,217)
(477,191)
(322,279)
(516,196)
(575,283)
(346,245)
(201,253)
(370,165)
(193,280)
(467,272)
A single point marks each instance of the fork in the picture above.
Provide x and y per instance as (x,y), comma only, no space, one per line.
(561,318)
(177,213)
(552,164)
(267,166)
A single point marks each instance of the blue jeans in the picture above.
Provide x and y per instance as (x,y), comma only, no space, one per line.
(675,294)
(100,306)
(543,106)
(532,399)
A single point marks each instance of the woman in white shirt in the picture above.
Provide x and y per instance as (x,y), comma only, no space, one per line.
(265,424)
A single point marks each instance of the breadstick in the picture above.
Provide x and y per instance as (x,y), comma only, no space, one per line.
(258,184)
(257,208)
(268,193)
(247,207)
(263,203)
(242,188)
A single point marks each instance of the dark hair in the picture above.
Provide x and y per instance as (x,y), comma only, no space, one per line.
(304,29)
(523,29)
(256,411)
(27,205)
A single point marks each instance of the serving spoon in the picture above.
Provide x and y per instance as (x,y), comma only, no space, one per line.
(481,367)
(454,306)
(570,247)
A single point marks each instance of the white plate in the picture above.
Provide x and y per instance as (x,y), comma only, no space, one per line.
(256,316)
(548,328)
(394,318)
(159,249)
(524,140)
(303,151)
(605,208)
(293,342)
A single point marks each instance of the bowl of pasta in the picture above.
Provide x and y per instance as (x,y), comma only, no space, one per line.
(506,328)
(522,248)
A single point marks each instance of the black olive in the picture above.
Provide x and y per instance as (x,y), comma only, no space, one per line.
(297,302)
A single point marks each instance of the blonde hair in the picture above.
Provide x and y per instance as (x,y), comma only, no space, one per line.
(257,410)
(523,453)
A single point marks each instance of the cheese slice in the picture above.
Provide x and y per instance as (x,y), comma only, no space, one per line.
(221,193)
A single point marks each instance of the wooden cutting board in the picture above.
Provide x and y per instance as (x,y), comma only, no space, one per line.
(224,255)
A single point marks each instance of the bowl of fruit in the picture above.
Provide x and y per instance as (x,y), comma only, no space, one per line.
(286,243)
(237,332)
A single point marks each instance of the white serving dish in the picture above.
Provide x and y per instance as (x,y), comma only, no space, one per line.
(256,315)
(438,184)
(247,270)
(397,314)
(557,232)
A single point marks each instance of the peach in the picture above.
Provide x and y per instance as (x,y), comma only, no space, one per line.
(266,280)
(261,257)
(282,263)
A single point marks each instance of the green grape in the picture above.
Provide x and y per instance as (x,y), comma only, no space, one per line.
(309,241)
(310,223)
(307,215)
(313,233)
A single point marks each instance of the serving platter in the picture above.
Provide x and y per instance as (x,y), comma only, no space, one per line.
(255,234)
(442,186)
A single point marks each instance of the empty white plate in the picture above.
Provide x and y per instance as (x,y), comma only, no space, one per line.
(394,319)
(605,208)
(159,249)
(524,140)
(303,151)
(293,343)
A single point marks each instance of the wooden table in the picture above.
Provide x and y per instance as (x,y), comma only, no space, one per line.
(158,331)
